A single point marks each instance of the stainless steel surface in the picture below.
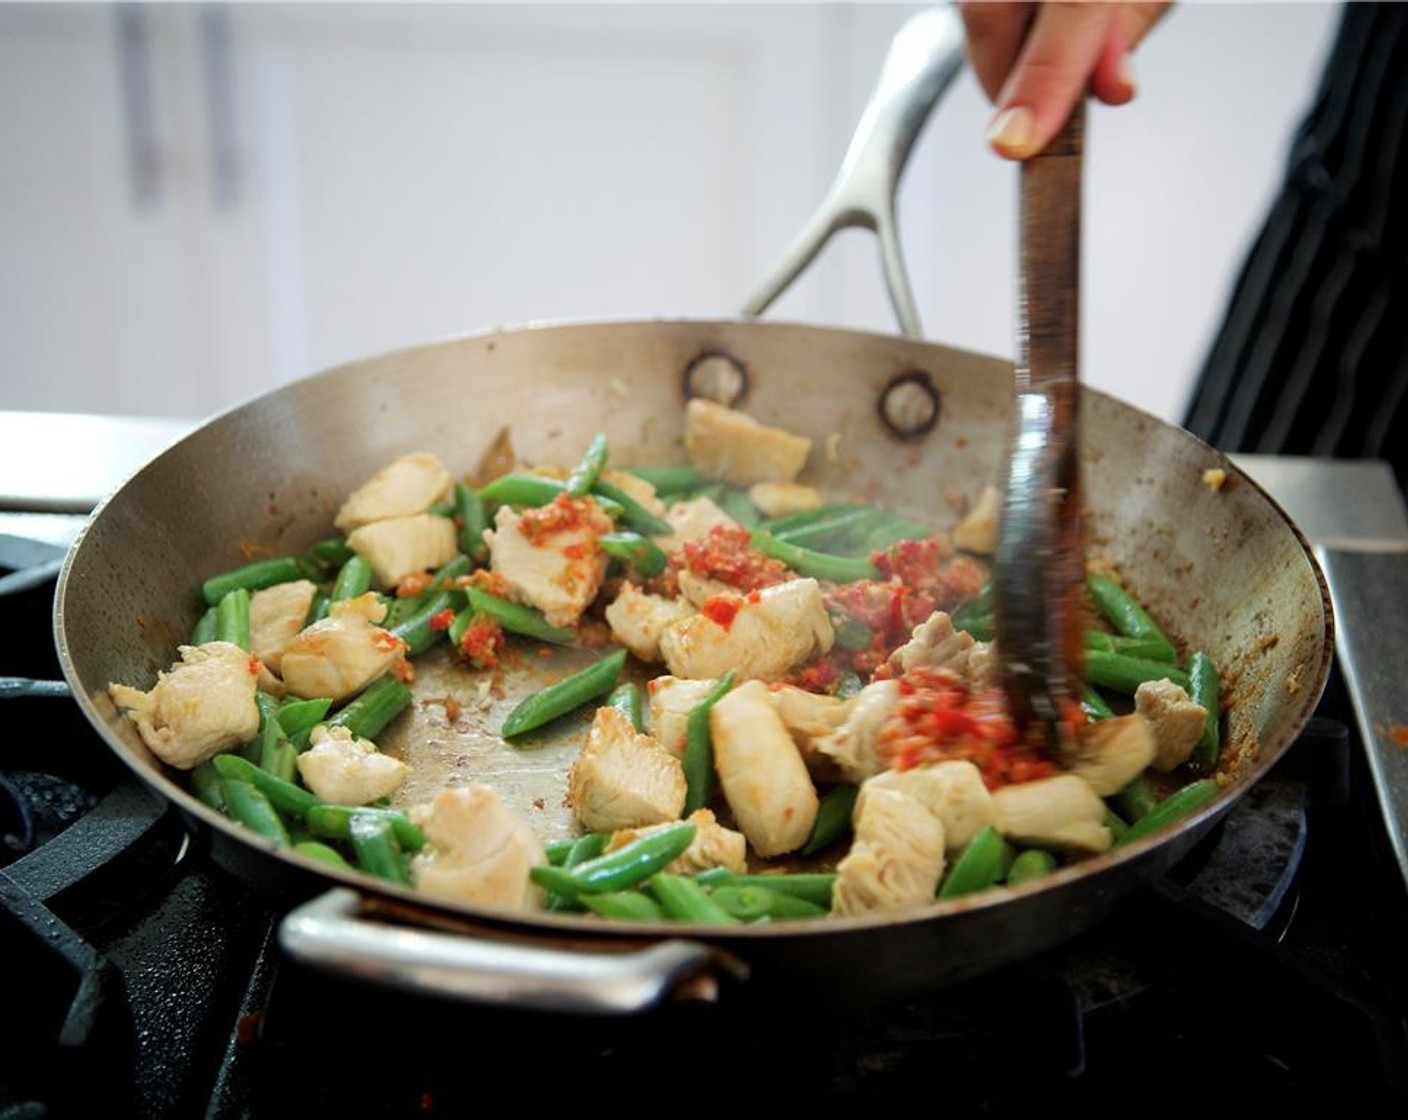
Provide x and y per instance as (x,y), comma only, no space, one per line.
(1333,501)
(65,463)
(923,60)
(1039,570)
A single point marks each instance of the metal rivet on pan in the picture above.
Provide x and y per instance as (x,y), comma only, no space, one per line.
(716,376)
(909,405)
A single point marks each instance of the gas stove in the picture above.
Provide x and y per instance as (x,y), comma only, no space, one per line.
(1267,968)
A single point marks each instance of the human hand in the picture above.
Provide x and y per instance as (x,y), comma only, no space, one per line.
(1035,59)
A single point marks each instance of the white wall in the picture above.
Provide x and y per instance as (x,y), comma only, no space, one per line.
(411,172)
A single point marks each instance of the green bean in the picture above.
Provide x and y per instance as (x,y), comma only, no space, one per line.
(248,805)
(852,634)
(353,579)
(739,506)
(565,696)
(1150,649)
(232,618)
(374,844)
(585,474)
(786,524)
(1125,612)
(833,818)
(894,530)
(627,906)
(701,780)
(1125,674)
(632,512)
(1034,863)
(420,632)
(670,480)
(335,823)
(754,902)
(812,886)
(533,491)
(332,552)
(977,867)
(686,901)
(314,849)
(626,700)
(1203,689)
(628,865)
(380,702)
(817,565)
(585,847)
(257,576)
(298,717)
(1115,823)
(1009,855)
(1094,704)
(205,780)
(469,508)
(285,796)
(641,553)
(975,612)
(557,851)
(1136,800)
(517,618)
(277,755)
(205,628)
(1172,808)
(318,609)
(814,533)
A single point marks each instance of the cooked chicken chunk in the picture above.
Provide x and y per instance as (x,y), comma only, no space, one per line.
(637,620)
(730,445)
(671,701)
(760,771)
(770,632)
(345,770)
(477,851)
(340,655)
(810,717)
(984,669)
(935,644)
(1113,752)
(403,546)
(692,520)
(853,746)
(412,484)
(202,705)
(953,791)
(697,590)
(558,571)
(977,532)
(713,845)
(896,858)
(1060,812)
(622,779)
(1176,721)
(777,499)
(276,614)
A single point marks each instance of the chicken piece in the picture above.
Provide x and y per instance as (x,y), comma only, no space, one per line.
(622,779)
(637,620)
(340,655)
(202,705)
(412,484)
(403,546)
(1176,721)
(760,636)
(761,772)
(809,717)
(345,770)
(697,590)
(692,520)
(852,747)
(777,499)
(1060,812)
(935,644)
(276,614)
(730,445)
(671,701)
(984,668)
(977,532)
(477,851)
(635,487)
(953,791)
(713,845)
(558,571)
(896,858)
(1113,752)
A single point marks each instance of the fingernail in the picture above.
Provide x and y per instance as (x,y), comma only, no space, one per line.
(1127,76)
(1011,131)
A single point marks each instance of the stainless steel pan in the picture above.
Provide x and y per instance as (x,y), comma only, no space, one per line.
(914,425)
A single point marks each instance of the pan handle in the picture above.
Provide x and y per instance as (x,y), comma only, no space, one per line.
(924,58)
(330,934)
